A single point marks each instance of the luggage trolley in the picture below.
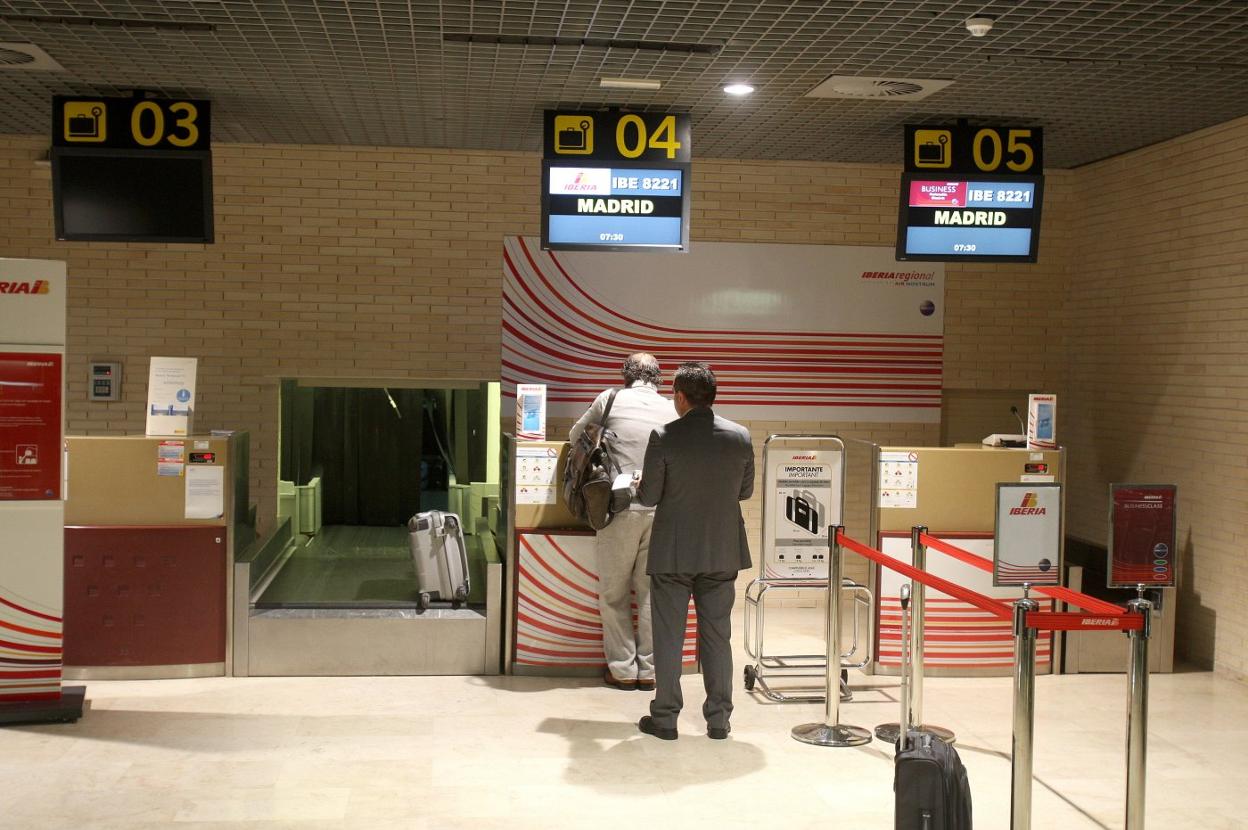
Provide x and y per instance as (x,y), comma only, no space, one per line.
(803,495)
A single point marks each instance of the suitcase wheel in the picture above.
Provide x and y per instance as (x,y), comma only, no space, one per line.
(423,601)
(750,676)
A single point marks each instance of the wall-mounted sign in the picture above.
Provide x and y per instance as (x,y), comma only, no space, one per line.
(982,217)
(1142,535)
(131,123)
(132,169)
(171,396)
(30,426)
(972,150)
(615,181)
(617,136)
(1027,546)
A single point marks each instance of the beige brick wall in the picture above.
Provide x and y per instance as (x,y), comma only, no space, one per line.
(385,262)
(1159,363)
(356,261)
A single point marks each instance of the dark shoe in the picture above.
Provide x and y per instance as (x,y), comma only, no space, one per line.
(648,726)
(645,685)
(611,680)
(717,733)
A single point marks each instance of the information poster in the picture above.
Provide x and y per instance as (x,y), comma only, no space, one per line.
(1028,540)
(1042,422)
(1142,535)
(899,479)
(30,426)
(531,411)
(537,471)
(804,495)
(171,395)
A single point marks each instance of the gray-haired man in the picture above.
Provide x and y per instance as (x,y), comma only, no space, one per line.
(623,545)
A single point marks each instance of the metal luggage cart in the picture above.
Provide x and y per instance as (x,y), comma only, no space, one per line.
(803,495)
(787,666)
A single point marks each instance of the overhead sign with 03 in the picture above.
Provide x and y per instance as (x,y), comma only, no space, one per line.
(131,123)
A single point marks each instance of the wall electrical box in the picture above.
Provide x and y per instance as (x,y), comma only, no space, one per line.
(104,383)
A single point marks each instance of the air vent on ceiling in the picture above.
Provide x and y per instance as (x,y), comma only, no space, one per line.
(886,89)
(27,56)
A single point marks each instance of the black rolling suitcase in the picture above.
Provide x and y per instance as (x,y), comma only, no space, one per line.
(929,781)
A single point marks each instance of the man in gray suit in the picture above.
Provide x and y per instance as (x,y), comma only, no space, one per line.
(697,470)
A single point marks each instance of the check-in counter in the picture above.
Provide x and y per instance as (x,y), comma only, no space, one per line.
(952,492)
(150,528)
(552,624)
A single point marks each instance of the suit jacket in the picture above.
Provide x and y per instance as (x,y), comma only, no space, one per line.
(697,471)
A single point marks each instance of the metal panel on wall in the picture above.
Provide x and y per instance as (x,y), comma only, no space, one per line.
(794,332)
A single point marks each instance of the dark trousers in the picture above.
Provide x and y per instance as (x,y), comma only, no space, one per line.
(713,594)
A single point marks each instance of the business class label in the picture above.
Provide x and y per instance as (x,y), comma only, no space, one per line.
(615,206)
(972,217)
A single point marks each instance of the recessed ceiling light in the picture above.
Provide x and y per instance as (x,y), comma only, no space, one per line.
(738,89)
(629,83)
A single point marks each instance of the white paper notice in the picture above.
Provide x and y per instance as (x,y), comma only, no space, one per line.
(537,470)
(205,492)
(170,395)
(528,494)
(899,479)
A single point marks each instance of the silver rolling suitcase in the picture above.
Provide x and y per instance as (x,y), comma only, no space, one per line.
(440,556)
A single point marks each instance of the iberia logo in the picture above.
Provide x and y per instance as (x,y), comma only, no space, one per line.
(1028,507)
(36,287)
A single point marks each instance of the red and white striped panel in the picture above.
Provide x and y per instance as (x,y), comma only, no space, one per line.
(30,651)
(957,635)
(557,622)
(559,329)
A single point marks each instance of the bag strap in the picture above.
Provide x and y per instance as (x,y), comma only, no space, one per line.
(606,413)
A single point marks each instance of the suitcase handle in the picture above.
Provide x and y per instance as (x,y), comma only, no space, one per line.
(904,721)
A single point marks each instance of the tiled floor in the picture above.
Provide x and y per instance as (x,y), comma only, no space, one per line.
(519,752)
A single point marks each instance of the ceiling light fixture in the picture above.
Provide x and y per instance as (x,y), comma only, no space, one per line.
(629,83)
(980,25)
(738,89)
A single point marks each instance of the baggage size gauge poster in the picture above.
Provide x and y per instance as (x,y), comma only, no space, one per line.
(1141,535)
(804,490)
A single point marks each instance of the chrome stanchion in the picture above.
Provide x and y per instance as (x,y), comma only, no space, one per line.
(1024,712)
(918,640)
(1137,712)
(831,732)
(890,731)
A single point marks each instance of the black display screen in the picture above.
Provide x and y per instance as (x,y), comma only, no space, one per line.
(140,196)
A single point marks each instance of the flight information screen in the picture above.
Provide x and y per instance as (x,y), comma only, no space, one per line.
(979,217)
(615,207)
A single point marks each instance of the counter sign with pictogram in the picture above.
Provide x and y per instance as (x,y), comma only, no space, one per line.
(615,181)
(1027,546)
(1142,535)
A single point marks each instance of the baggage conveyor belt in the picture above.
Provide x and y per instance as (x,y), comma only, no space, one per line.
(346,603)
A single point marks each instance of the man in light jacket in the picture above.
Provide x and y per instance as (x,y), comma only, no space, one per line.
(697,471)
(623,545)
